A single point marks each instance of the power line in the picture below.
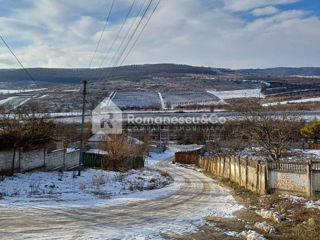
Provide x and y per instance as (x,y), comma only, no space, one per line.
(138,13)
(126,35)
(135,42)
(104,28)
(26,71)
(134,32)
(118,34)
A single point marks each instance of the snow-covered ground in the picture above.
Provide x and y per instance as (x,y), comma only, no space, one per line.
(7,91)
(154,158)
(180,207)
(243,93)
(294,155)
(6,100)
(52,188)
(292,101)
(307,203)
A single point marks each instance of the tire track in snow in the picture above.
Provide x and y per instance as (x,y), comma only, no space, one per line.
(180,211)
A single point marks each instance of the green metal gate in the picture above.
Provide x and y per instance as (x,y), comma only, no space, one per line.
(93,160)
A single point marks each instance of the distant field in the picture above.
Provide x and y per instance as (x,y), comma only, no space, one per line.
(244,93)
(181,98)
(137,99)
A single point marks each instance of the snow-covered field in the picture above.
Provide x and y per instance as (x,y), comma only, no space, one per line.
(136,99)
(67,188)
(244,93)
(7,91)
(292,101)
(184,98)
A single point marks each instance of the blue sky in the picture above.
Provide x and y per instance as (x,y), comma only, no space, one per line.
(217,33)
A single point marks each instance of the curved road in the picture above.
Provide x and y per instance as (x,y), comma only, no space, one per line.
(181,207)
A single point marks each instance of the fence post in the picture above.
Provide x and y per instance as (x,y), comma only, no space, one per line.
(239,164)
(234,169)
(44,157)
(229,168)
(258,177)
(64,157)
(267,177)
(224,166)
(309,181)
(246,176)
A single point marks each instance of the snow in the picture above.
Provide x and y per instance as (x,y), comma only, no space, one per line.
(43,96)
(66,188)
(264,226)
(302,200)
(244,93)
(6,91)
(292,101)
(97,151)
(71,150)
(154,158)
(22,103)
(313,204)
(163,106)
(6,100)
(267,214)
(72,90)
(252,235)
(109,189)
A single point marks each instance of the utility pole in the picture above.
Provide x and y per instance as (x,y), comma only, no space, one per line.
(82,124)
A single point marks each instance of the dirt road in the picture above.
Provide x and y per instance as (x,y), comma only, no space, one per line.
(180,210)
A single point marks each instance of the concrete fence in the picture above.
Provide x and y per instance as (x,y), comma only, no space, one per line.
(247,173)
(296,178)
(39,159)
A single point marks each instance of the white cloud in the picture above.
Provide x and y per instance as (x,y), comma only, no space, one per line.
(270,10)
(245,5)
(207,32)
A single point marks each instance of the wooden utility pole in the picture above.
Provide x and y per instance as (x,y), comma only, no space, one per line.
(82,124)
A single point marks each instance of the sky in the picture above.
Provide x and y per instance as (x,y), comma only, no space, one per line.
(217,33)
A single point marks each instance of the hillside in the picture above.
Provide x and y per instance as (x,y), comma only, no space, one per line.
(69,76)
(133,73)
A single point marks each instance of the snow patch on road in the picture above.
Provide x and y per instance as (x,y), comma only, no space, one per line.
(154,158)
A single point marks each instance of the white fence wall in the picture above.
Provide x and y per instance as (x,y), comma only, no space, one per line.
(72,159)
(291,182)
(55,159)
(40,158)
(6,160)
(32,159)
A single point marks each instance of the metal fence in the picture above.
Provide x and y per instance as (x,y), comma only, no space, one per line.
(94,160)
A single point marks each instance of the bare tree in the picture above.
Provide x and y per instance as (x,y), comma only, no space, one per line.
(120,150)
(272,132)
(24,127)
